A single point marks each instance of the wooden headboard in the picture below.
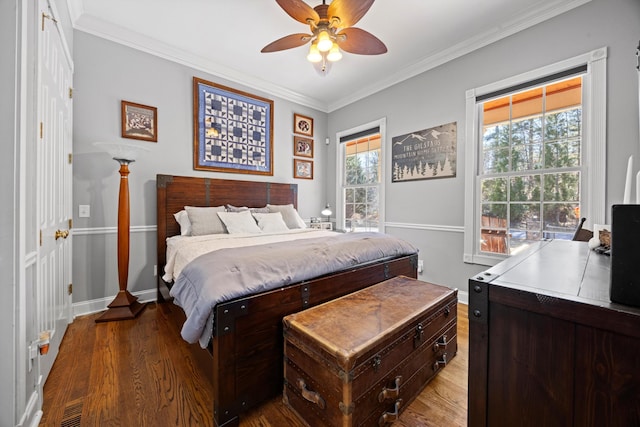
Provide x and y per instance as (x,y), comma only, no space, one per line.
(176,192)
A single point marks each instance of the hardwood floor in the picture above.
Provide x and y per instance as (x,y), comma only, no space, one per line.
(139,373)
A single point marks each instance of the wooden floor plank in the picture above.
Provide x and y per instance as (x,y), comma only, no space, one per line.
(140,373)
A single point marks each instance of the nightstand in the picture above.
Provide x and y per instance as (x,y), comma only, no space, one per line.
(325,225)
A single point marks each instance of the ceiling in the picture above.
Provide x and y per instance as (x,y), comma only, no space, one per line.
(224,38)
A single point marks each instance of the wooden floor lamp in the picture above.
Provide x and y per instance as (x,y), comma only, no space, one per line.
(125,305)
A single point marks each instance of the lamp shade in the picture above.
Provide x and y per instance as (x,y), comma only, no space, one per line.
(324,41)
(334,54)
(122,150)
(326,211)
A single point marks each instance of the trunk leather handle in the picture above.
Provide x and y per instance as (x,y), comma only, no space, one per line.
(389,417)
(390,393)
(417,338)
(309,395)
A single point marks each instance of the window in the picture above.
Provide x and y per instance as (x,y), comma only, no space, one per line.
(532,175)
(361,180)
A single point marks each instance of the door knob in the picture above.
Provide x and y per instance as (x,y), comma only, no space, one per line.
(62,233)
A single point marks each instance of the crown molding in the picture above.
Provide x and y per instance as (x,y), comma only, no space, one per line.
(524,21)
(100,28)
(134,40)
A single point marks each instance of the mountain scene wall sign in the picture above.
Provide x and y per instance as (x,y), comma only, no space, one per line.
(425,154)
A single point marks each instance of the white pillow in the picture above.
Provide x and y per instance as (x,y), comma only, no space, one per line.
(182,218)
(231,208)
(289,215)
(270,222)
(239,222)
(205,220)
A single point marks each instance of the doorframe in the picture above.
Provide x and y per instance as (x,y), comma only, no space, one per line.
(25,404)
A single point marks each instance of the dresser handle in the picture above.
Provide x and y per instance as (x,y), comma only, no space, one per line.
(389,417)
(390,393)
(309,395)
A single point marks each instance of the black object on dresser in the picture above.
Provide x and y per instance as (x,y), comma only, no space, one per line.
(625,254)
(546,345)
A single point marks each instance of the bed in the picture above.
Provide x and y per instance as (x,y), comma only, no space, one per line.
(245,353)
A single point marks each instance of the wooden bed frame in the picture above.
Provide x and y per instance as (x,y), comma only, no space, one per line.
(245,354)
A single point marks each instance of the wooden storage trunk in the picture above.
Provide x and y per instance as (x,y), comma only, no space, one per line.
(362,358)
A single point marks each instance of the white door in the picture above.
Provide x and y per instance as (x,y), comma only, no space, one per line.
(54,174)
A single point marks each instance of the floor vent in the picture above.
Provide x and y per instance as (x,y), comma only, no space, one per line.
(72,414)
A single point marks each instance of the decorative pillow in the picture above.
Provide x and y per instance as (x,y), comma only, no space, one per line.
(289,215)
(205,220)
(231,208)
(182,218)
(270,222)
(239,222)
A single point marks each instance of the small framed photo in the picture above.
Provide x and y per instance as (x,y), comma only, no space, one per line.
(303,169)
(302,125)
(139,121)
(302,147)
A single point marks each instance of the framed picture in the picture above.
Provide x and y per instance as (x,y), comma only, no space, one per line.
(233,130)
(139,121)
(302,146)
(303,169)
(302,125)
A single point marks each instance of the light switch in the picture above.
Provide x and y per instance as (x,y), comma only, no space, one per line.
(84,211)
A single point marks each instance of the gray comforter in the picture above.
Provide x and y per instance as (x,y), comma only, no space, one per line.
(226,274)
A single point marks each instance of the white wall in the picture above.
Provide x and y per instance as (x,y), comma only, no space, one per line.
(105,74)
(437,97)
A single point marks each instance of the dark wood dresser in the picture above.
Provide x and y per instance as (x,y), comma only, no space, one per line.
(547,347)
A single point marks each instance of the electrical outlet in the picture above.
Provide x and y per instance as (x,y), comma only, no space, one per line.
(84,211)
(420,266)
(155,270)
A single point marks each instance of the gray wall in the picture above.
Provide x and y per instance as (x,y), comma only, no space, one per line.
(8,258)
(105,74)
(438,96)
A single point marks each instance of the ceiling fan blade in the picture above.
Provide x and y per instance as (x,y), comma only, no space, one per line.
(349,11)
(299,10)
(355,40)
(287,42)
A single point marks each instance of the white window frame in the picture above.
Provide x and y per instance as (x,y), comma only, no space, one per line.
(593,146)
(340,160)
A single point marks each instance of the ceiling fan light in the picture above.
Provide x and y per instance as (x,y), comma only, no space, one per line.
(314,54)
(334,54)
(324,41)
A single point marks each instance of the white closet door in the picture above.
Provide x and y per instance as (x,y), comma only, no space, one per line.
(54,187)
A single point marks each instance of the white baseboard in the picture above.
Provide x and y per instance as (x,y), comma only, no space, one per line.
(32,412)
(36,419)
(463,297)
(96,305)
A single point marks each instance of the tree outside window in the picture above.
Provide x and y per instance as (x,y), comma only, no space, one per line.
(530,166)
(362,184)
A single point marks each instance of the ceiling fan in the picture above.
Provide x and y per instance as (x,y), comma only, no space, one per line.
(331,31)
